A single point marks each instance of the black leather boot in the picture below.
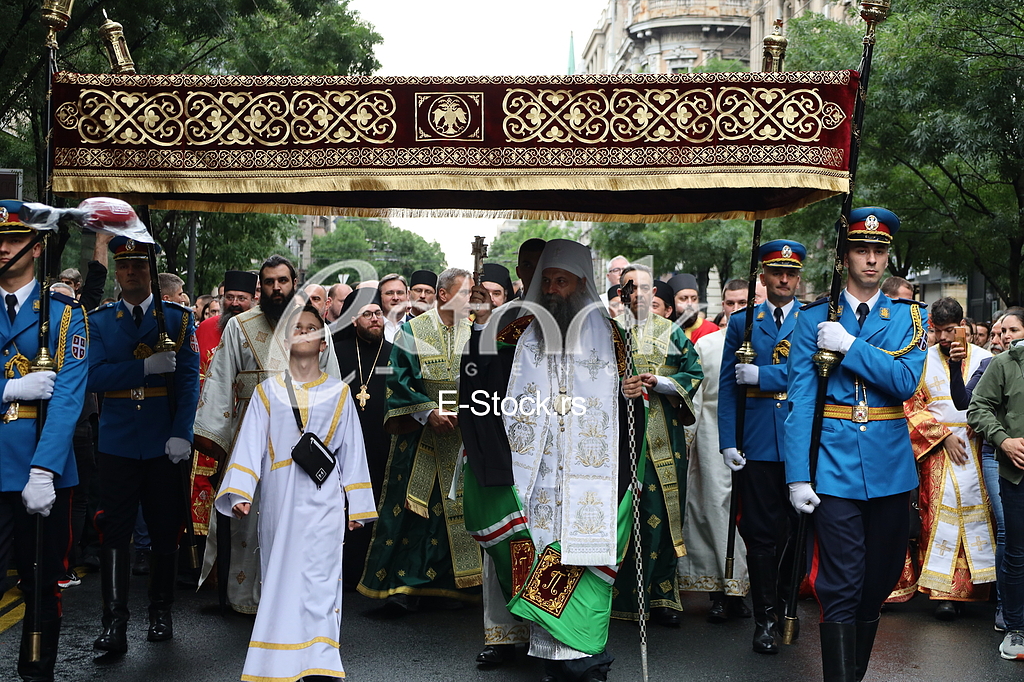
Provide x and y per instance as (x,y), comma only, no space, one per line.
(838,643)
(114,573)
(494,655)
(41,670)
(719,612)
(163,573)
(866,630)
(763,579)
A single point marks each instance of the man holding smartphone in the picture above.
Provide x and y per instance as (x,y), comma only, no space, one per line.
(957,545)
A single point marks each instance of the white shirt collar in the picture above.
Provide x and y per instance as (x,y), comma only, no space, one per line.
(144,305)
(854,301)
(23,293)
(785,309)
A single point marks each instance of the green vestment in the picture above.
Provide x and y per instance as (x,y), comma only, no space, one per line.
(661,348)
(420,545)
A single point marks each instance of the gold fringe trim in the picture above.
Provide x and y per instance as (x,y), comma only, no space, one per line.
(148,191)
(465,581)
(511,179)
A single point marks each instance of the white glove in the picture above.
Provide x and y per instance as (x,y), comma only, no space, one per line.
(32,386)
(160,363)
(178,450)
(802,497)
(832,336)
(38,495)
(747,374)
(733,459)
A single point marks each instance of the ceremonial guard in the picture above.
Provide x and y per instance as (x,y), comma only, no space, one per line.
(766,522)
(859,496)
(145,432)
(669,368)
(37,469)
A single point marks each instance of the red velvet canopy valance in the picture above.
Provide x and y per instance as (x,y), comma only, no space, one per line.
(639,147)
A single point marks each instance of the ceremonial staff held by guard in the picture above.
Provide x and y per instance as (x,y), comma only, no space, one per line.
(142,441)
(37,463)
(752,409)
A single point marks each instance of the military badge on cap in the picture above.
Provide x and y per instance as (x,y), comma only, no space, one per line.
(872,224)
(782,253)
(10,222)
(125,248)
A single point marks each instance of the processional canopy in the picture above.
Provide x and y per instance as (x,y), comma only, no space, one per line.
(637,148)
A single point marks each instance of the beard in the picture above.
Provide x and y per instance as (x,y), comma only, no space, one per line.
(369,334)
(274,309)
(564,311)
(226,315)
(687,317)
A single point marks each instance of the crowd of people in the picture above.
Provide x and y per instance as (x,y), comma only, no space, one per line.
(490,437)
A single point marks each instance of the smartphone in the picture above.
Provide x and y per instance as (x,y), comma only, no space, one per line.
(960,336)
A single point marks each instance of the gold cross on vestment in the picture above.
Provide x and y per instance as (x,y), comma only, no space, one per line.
(943,548)
(935,385)
(978,543)
(362,397)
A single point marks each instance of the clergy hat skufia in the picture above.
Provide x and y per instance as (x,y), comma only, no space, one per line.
(683,281)
(423,277)
(239,280)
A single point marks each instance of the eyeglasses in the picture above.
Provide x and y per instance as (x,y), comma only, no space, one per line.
(614,271)
(370,314)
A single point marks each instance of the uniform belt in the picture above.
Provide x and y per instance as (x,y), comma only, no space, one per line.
(754,393)
(16,411)
(138,393)
(863,414)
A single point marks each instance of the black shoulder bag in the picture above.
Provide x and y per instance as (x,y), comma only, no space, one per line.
(310,453)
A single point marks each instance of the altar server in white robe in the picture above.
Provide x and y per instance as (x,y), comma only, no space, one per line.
(301,525)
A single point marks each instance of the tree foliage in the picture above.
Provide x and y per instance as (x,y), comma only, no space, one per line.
(179,36)
(943,132)
(680,247)
(505,249)
(385,247)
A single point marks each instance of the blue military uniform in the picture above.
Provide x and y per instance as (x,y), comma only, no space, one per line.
(22,447)
(138,419)
(766,521)
(865,467)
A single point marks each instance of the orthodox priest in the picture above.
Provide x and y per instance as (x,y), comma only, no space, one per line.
(546,426)
(670,370)
(303,522)
(239,290)
(249,352)
(363,355)
(957,539)
(420,547)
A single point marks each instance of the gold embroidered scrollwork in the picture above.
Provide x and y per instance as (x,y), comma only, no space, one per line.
(266,119)
(773,114)
(668,115)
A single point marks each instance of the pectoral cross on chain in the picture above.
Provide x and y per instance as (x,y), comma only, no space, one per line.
(362,397)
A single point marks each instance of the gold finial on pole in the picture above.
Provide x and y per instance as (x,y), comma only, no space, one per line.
(874,12)
(56,15)
(117,48)
(775,49)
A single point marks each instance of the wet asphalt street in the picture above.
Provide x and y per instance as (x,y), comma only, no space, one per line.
(441,645)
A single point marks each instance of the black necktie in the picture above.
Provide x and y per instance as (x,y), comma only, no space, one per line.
(862,312)
(778,318)
(137,315)
(12,301)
